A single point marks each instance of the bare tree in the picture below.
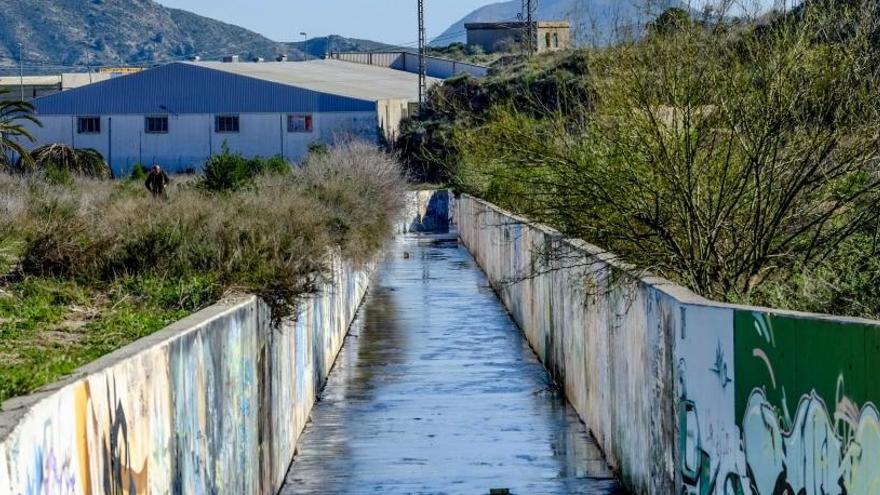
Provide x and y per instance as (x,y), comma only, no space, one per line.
(716,154)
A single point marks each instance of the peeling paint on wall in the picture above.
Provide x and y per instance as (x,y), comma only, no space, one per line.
(212,405)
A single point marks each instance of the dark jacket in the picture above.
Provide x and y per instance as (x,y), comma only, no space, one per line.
(156,183)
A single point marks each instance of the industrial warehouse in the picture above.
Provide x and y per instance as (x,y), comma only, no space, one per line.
(179,115)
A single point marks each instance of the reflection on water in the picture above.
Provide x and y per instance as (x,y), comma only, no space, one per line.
(436,391)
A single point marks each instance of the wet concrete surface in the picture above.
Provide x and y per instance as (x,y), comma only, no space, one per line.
(436,391)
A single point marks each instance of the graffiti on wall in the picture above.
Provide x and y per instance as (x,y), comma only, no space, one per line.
(806,398)
(190,415)
(803,418)
(706,393)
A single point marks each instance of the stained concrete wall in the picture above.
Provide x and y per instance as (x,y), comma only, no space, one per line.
(212,404)
(427,211)
(683,394)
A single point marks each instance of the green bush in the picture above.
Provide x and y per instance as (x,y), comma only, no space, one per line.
(276,165)
(57,175)
(230,171)
(138,173)
(226,172)
(318,148)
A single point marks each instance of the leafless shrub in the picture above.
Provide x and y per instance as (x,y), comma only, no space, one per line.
(717,154)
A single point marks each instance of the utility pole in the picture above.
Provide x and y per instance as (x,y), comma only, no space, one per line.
(531,32)
(305,48)
(21,68)
(423,68)
(526,17)
(521,17)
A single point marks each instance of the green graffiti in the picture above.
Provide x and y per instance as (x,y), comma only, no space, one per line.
(822,371)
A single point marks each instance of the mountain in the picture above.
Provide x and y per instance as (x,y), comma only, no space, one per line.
(59,34)
(318,47)
(593,21)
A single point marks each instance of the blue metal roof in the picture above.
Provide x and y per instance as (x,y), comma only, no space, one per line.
(181,88)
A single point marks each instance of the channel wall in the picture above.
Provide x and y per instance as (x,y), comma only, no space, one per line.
(213,404)
(427,211)
(685,395)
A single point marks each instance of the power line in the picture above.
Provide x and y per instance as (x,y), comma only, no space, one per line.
(12,63)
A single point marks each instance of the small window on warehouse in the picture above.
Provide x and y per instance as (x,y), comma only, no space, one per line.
(88,125)
(299,123)
(156,125)
(226,124)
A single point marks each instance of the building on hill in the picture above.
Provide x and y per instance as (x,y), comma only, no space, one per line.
(179,115)
(495,37)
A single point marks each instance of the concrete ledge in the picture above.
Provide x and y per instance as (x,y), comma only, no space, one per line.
(212,404)
(15,409)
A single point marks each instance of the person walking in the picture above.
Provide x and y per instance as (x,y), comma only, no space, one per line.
(157,182)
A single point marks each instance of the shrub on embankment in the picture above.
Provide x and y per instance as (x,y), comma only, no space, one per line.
(94,264)
(737,158)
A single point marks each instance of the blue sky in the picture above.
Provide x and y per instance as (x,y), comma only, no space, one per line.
(391,21)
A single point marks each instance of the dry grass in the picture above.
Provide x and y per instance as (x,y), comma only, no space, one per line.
(89,266)
(274,239)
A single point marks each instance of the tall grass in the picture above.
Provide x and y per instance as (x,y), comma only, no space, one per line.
(275,239)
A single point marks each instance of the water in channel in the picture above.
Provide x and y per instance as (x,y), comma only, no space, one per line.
(436,391)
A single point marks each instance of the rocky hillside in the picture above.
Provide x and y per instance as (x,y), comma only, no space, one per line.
(59,34)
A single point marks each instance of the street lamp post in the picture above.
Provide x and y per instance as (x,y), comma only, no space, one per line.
(89,65)
(21,68)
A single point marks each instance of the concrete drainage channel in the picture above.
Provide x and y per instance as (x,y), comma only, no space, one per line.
(436,390)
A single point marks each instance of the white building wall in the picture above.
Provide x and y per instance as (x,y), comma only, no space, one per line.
(191,139)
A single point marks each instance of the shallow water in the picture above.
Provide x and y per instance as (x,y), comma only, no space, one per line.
(437,391)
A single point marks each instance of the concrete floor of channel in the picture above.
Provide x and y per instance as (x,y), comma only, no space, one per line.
(436,391)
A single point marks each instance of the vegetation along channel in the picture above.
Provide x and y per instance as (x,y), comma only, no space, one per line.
(518,247)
